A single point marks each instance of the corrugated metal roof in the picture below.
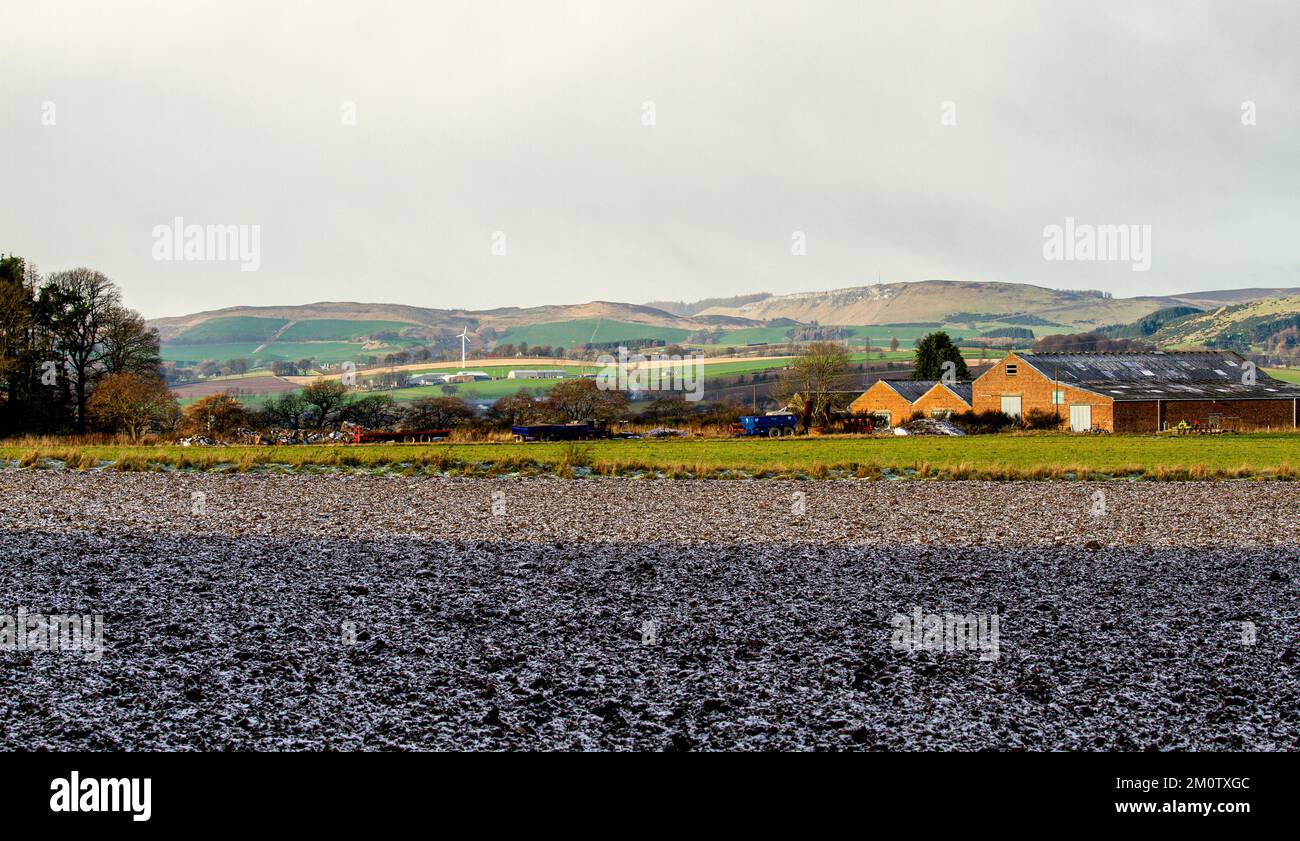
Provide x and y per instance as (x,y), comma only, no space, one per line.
(966,391)
(1160,375)
(913,390)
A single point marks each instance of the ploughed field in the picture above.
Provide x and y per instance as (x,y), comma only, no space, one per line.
(276,612)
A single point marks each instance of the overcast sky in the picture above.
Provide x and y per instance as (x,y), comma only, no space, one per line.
(530,119)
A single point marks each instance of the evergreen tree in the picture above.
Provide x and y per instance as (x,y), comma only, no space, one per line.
(932,352)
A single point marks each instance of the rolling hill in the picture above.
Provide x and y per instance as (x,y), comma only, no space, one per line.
(596,330)
(235,324)
(1268,326)
(335,331)
(939,300)
(174,328)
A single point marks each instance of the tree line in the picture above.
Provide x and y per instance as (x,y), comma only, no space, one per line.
(327,404)
(71,353)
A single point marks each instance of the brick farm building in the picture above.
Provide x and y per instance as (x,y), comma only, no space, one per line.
(895,401)
(1117,392)
(1139,392)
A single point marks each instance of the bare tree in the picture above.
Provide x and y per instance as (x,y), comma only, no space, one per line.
(437,413)
(129,345)
(580,400)
(328,397)
(216,414)
(518,408)
(374,411)
(133,402)
(81,301)
(813,382)
(289,410)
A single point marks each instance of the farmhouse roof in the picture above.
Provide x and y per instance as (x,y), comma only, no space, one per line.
(966,391)
(1161,375)
(911,390)
(914,390)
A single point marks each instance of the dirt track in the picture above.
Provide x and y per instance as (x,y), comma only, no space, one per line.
(302,612)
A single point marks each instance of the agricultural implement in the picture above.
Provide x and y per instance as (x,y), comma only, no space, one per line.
(862,424)
(773,426)
(414,436)
(561,432)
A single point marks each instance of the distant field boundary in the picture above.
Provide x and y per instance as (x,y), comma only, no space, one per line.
(1261,456)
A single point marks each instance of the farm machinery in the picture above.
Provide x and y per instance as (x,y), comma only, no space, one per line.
(773,426)
(413,436)
(565,431)
(559,432)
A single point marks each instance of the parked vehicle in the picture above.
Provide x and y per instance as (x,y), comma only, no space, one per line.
(561,431)
(773,426)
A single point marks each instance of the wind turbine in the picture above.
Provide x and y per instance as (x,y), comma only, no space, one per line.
(464,338)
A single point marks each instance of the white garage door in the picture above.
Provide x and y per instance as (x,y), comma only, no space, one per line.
(1011,405)
(1080,418)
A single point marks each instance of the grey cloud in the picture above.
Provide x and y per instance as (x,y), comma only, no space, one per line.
(526,118)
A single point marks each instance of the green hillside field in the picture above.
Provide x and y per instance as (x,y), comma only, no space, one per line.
(578,332)
(194,354)
(337,329)
(230,330)
(323,352)
(755,335)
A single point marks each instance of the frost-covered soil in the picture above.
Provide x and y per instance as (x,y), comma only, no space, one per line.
(332,612)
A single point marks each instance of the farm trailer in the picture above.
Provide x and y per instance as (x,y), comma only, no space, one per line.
(560,432)
(772,426)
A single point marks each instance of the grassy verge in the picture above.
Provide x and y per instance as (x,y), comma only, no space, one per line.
(1045,456)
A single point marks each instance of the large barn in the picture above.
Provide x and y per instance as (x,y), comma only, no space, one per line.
(1139,392)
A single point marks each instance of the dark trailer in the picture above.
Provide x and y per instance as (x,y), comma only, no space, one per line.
(560,432)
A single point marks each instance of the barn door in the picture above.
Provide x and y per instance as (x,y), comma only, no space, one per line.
(1080,418)
(1011,405)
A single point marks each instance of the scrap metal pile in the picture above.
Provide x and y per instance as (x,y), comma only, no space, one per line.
(929,426)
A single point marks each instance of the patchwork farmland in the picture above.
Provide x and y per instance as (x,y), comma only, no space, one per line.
(262,340)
